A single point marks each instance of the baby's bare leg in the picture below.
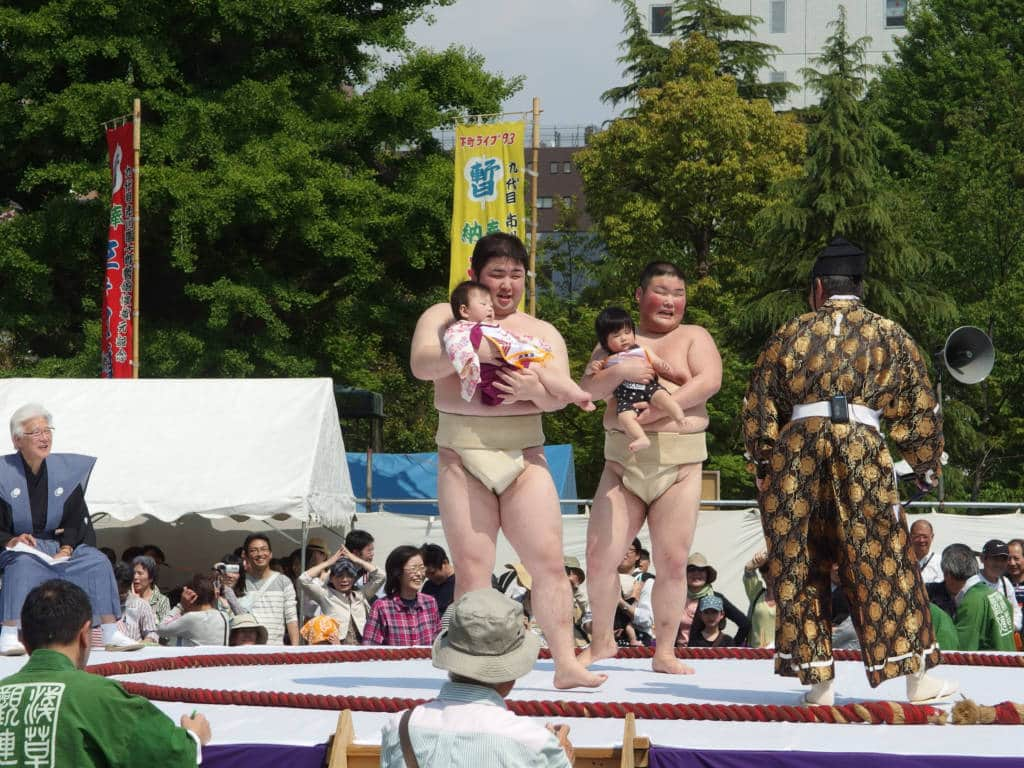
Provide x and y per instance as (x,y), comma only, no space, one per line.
(627,420)
(564,388)
(663,400)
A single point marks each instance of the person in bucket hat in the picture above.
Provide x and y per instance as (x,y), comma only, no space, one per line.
(485,649)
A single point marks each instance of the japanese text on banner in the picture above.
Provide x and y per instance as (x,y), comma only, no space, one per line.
(489,189)
(118,285)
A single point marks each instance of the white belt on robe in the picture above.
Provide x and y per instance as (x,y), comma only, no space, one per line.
(859,414)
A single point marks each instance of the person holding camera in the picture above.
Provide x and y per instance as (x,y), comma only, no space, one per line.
(230,585)
(339,599)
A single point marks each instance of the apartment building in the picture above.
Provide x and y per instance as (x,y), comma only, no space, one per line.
(558,181)
(800,28)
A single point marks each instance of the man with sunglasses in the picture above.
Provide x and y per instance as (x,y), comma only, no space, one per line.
(45,526)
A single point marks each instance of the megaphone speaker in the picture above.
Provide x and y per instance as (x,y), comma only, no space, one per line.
(969,355)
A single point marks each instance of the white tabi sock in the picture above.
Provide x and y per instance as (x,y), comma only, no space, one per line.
(108,631)
(9,633)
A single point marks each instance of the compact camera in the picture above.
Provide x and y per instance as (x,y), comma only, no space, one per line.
(227,567)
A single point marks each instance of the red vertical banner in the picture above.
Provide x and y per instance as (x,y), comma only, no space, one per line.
(120,270)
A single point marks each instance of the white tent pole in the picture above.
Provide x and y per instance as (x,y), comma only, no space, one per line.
(302,566)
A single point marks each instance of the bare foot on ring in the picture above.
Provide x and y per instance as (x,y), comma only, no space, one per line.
(595,652)
(670,665)
(574,675)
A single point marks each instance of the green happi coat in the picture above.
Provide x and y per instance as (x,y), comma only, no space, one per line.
(53,715)
(984,620)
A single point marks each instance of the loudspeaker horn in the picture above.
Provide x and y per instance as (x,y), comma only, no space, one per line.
(969,354)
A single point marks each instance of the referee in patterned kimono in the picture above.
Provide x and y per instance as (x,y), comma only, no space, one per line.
(46,531)
(812,422)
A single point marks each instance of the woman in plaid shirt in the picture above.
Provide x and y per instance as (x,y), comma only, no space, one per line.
(404,616)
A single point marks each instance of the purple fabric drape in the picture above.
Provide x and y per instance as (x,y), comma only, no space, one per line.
(263,756)
(664,757)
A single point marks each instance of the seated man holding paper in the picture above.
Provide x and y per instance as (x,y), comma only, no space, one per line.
(46,527)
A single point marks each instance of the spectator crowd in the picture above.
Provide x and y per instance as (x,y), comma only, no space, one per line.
(342,597)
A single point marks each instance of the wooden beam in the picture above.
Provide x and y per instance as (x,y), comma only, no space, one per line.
(341,743)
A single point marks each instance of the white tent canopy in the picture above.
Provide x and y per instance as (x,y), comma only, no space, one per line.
(166,448)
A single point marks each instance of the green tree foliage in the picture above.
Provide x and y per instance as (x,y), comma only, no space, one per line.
(845,191)
(295,204)
(960,60)
(688,170)
(643,59)
(973,192)
(741,55)
(951,99)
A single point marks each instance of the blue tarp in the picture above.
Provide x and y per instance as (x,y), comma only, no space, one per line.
(414,476)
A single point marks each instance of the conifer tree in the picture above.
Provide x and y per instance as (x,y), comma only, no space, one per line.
(742,55)
(844,191)
(648,64)
(643,59)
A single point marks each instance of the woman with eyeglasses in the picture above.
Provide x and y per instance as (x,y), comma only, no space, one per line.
(405,616)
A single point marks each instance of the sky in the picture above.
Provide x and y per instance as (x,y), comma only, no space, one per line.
(565,48)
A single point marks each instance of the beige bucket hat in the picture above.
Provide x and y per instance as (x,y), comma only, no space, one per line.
(486,639)
(248,621)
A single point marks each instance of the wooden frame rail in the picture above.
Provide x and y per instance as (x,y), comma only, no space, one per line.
(343,752)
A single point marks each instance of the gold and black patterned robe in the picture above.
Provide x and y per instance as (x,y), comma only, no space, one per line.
(831,495)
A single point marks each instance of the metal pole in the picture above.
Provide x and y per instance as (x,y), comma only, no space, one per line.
(941,491)
(302,567)
(369,480)
(533,206)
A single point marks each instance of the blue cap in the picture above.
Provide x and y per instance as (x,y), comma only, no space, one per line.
(344,565)
(711,603)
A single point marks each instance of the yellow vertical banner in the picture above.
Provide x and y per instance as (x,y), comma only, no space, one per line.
(489,189)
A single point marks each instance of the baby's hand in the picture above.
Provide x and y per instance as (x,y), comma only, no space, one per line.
(664,369)
(593,367)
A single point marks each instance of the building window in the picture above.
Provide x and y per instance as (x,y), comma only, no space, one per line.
(566,167)
(895,13)
(567,201)
(661,19)
(554,166)
(777,77)
(777,17)
(545,202)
